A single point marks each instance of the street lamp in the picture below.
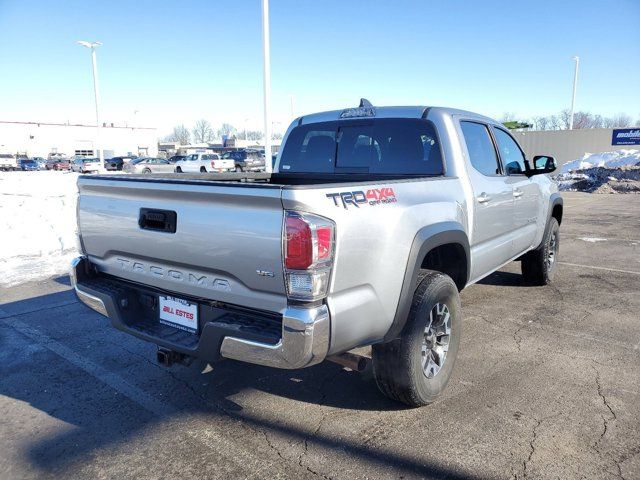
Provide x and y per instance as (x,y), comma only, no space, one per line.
(267,85)
(92,46)
(575,85)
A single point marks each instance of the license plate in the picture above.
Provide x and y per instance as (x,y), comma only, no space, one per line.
(179,313)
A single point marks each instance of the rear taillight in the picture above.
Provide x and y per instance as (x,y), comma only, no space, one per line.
(213,164)
(309,242)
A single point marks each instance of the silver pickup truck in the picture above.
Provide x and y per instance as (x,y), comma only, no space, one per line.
(374,220)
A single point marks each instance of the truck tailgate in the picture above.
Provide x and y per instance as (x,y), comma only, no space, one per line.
(227,243)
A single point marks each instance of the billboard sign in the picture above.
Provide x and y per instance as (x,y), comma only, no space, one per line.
(626,136)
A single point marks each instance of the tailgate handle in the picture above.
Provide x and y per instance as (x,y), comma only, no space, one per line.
(158,220)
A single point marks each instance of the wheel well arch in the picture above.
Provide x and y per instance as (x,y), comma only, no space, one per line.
(450,259)
(557,212)
(443,247)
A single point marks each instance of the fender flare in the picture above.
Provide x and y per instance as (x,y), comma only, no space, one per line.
(555,199)
(425,240)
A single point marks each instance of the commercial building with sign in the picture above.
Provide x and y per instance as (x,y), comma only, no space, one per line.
(568,145)
(625,136)
(36,139)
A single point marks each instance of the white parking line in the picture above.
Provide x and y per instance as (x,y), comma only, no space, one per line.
(599,268)
(239,458)
(138,396)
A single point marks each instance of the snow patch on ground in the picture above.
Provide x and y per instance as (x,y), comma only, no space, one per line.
(607,172)
(619,158)
(38,221)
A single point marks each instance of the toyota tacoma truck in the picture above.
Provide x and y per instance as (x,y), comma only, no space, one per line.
(372,222)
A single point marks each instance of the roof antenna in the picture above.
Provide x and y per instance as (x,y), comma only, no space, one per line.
(365,103)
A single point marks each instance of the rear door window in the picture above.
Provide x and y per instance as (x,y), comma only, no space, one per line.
(378,146)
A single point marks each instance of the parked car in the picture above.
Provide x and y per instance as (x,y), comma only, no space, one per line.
(8,161)
(85,165)
(149,165)
(176,158)
(28,165)
(374,220)
(204,162)
(117,163)
(246,160)
(62,164)
(42,163)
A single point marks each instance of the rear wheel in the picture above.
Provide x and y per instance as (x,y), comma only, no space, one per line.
(539,265)
(146,170)
(415,368)
(203,170)
(178,170)
(239,168)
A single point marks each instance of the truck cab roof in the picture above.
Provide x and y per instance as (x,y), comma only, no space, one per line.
(419,111)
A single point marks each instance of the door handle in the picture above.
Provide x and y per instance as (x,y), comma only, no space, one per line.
(483,198)
(517,193)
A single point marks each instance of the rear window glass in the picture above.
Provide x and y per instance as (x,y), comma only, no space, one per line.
(381,146)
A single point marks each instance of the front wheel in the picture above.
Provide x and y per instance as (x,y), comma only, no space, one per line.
(415,368)
(539,265)
(178,170)
(146,170)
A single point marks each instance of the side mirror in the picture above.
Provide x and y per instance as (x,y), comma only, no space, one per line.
(543,164)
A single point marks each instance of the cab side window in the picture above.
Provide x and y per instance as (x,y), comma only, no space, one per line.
(482,153)
(510,153)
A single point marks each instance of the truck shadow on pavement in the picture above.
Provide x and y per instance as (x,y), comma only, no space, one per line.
(39,335)
(504,279)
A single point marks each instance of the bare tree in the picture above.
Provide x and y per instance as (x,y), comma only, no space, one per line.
(276,136)
(621,120)
(508,117)
(202,131)
(226,130)
(254,135)
(541,123)
(582,120)
(564,119)
(180,134)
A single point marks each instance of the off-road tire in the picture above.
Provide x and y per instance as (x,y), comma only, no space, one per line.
(398,365)
(539,265)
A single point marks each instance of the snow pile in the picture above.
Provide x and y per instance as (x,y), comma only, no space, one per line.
(619,158)
(38,221)
(607,172)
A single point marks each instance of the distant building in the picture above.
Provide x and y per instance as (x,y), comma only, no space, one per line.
(568,145)
(39,139)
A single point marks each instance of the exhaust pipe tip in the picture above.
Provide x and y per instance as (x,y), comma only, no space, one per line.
(352,361)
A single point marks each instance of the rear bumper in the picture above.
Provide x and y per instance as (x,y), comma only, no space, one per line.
(301,340)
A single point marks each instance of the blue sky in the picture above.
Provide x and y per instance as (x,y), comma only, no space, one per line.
(179,61)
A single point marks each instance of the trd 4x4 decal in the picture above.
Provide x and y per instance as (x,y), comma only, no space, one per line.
(374,196)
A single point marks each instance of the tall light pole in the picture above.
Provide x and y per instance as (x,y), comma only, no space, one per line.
(92,46)
(575,86)
(267,85)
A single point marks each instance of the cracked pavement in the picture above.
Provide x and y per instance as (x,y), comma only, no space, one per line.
(546,385)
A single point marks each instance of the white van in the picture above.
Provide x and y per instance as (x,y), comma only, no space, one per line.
(204,162)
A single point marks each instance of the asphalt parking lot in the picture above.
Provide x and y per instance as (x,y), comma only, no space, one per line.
(547,385)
